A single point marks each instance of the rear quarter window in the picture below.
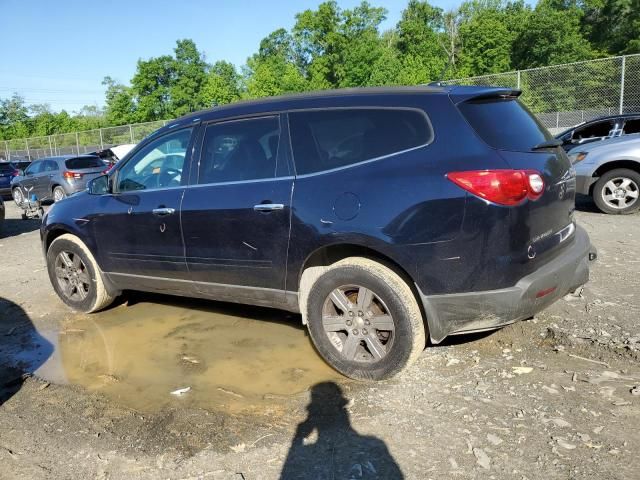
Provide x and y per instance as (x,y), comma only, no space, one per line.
(84,162)
(328,139)
(505,124)
(6,168)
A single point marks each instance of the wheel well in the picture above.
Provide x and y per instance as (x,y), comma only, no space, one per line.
(52,235)
(602,169)
(325,256)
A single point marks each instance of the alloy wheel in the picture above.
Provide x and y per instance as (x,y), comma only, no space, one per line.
(620,192)
(358,323)
(72,276)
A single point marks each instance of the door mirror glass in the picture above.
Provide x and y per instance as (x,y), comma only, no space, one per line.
(98,185)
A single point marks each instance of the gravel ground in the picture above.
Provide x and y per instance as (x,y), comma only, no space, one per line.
(553,397)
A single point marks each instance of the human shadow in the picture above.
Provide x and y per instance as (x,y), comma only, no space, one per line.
(326,446)
(22,349)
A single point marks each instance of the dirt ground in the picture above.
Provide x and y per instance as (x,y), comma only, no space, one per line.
(90,396)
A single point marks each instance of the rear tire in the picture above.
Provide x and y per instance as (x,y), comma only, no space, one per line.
(348,338)
(617,192)
(75,275)
(59,193)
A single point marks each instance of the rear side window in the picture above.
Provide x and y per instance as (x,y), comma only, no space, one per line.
(632,126)
(327,139)
(84,162)
(6,168)
(505,124)
(240,150)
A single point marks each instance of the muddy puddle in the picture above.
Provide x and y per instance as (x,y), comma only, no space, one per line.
(221,356)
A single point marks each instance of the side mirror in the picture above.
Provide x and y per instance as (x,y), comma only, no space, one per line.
(98,185)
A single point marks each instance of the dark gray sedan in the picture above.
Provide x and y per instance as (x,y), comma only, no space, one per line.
(55,178)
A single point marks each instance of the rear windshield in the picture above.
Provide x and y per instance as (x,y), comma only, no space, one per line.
(505,124)
(6,168)
(84,162)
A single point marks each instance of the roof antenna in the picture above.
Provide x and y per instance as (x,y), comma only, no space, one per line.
(439,83)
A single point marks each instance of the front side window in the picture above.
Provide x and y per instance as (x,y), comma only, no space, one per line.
(35,167)
(327,139)
(240,150)
(157,165)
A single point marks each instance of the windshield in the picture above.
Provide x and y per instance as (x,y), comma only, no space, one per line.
(505,124)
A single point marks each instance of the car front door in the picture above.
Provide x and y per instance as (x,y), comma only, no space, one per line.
(30,177)
(138,227)
(236,215)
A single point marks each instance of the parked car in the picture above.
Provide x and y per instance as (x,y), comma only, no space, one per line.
(381,215)
(55,178)
(600,129)
(7,173)
(609,171)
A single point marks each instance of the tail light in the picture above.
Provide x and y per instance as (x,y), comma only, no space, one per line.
(504,187)
(15,173)
(71,175)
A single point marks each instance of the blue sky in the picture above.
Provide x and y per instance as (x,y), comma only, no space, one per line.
(58,52)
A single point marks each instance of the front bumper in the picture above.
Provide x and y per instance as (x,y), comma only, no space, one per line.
(584,182)
(477,311)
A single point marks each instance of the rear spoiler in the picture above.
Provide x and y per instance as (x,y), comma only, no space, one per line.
(460,94)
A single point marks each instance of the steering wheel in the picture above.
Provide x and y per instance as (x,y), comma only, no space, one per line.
(164,178)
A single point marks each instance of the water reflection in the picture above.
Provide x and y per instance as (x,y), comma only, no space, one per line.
(228,356)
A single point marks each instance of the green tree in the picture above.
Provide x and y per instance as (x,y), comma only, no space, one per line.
(551,36)
(120,107)
(151,87)
(222,85)
(487,43)
(189,78)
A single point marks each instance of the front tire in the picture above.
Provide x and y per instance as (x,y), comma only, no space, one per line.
(617,191)
(75,276)
(18,196)
(364,319)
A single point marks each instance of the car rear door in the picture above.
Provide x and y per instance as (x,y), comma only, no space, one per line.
(137,227)
(31,175)
(236,214)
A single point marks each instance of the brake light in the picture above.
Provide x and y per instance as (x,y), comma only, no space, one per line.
(504,187)
(73,175)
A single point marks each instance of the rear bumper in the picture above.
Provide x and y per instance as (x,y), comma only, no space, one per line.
(477,311)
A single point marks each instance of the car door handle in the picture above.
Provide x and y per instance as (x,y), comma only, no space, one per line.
(163,211)
(268,207)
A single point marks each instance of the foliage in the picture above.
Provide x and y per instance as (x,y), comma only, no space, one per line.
(332,47)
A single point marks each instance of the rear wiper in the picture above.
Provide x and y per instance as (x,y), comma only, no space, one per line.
(547,144)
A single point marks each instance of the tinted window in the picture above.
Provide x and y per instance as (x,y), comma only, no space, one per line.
(35,167)
(240,150)
(595,130)
(84,162)
(632,126)
(505,124)
(327,139)
(20,165)
(157,165)
(6,168)
(49,166)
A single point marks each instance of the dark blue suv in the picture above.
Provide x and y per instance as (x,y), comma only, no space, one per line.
(384,216)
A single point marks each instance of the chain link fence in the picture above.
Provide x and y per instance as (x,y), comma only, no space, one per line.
(561,96)
(76,143)
(564,95)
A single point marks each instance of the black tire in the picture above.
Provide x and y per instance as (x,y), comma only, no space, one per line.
(602,188)
(95,294)
(18,196)
(61,193)
(393,293)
